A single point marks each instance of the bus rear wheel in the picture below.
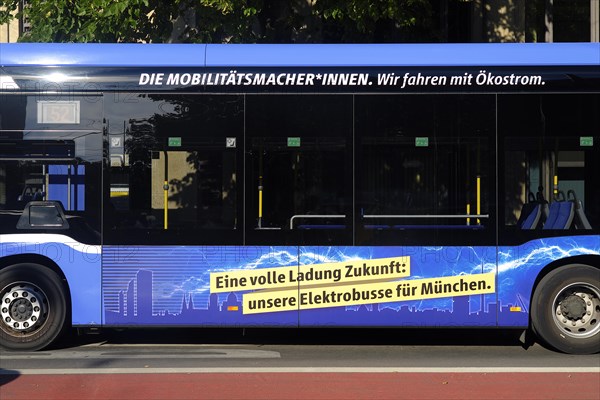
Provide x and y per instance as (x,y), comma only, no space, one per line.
(565,311)
(33,307)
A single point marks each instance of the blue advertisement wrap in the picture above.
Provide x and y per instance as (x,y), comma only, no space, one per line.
(80,263)
(327,286)
(519,266)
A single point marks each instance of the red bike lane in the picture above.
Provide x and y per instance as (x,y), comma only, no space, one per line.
(302,385)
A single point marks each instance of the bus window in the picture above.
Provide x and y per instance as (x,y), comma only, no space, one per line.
(549,161)
(424,168)
(296,189)
(299,170)
(38,175)
(543,183)
(173,173)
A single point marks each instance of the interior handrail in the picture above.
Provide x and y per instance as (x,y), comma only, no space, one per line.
(313,216)
(428,216)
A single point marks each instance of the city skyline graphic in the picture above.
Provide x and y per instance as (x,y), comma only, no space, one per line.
(169,285)
(135,307)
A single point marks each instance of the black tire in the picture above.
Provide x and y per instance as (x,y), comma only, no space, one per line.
(565,309)
(33,307)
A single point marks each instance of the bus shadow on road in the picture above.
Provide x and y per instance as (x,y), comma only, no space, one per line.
(8,375)
(320,336)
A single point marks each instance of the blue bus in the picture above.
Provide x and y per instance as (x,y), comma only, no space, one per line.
(396,185)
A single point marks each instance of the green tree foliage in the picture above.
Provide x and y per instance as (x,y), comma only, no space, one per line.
(227,21)
(7,8)
(98,20)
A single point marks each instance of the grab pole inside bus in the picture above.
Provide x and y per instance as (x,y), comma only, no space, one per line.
(260,188)
(166,191)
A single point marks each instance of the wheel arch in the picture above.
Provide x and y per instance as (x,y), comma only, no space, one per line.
(45,262)
(592,260)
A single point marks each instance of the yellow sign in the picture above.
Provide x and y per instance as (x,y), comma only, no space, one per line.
(353,295)
(310,275)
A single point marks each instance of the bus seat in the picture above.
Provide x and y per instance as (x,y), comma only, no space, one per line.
(565,215)
(561,215)
(531,213)
(580,220)
(552,215)
(534,213)
(39,196)
(545,206)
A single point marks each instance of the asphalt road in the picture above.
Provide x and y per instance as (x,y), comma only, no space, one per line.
(282,364)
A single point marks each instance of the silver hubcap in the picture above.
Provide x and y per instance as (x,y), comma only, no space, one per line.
(24,307)
(576,310)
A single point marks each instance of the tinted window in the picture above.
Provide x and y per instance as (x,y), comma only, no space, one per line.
(299,169)
(173,169)
(425,169)
(52,153)
(550,164)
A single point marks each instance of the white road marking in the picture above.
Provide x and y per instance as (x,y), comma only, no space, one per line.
(136,354)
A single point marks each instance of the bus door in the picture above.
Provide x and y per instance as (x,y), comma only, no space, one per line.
(173,220)
(424,215)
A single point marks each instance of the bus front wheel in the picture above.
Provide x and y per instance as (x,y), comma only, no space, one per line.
(565,309)
(33,307)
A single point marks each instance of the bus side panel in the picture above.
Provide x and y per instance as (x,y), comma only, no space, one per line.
(331,286)
(327,286)
(80,263)
(519,266)
(436,286)
(191,285)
